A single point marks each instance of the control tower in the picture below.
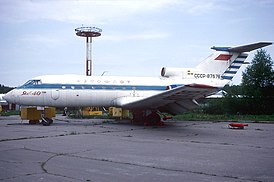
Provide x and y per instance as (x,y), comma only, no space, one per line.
(88,32)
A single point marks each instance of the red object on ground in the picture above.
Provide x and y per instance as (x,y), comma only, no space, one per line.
(237,125)
(167,117)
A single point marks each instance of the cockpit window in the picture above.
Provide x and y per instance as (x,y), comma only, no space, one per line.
(32,83)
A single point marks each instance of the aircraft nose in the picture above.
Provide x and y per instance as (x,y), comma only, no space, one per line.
(9,97)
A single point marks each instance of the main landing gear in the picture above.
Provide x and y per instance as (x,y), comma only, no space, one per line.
(147,118)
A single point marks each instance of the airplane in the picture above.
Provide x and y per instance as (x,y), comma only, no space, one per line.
(174,92)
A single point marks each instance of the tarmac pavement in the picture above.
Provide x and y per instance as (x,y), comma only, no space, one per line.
(108,150)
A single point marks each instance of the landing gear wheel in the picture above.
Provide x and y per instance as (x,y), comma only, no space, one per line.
(149,118)
(46,121)
(138,118)
(32,122)
(154,119)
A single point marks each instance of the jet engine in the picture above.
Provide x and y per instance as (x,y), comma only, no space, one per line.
(172,72)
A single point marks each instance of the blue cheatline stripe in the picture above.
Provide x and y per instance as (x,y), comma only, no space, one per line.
(227,77)
(95,87)
(175,85)
(230,72)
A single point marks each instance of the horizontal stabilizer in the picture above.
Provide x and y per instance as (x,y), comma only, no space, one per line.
(250,47)
(244,48)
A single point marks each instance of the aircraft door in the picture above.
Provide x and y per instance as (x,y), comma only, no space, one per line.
(55,94)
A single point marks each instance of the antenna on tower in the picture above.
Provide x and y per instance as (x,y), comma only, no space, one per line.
(88,32)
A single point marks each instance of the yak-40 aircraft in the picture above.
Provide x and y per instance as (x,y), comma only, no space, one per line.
(174,92)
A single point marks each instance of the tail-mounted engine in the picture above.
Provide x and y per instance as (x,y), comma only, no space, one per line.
(172,72)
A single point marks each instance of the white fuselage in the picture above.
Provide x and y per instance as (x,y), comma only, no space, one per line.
(79,91)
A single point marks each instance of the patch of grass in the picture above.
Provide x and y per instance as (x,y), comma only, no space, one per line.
(10,113)
(210,117)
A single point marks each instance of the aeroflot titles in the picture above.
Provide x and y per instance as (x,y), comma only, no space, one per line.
(203,75)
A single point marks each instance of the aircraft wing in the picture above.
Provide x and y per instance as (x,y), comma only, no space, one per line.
(173,101)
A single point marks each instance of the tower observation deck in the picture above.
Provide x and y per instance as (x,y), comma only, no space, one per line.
(88,32)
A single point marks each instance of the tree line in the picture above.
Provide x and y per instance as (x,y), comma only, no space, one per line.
(4,89)
(254,96)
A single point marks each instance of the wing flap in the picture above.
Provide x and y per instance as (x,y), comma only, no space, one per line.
(173,101)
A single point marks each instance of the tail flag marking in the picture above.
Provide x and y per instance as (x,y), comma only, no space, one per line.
(223,57)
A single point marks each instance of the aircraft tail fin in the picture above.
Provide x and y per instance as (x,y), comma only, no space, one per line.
(226,61)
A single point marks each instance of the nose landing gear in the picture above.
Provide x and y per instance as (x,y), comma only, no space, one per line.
(46,121)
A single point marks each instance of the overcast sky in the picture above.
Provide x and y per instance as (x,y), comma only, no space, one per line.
(139,37)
